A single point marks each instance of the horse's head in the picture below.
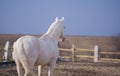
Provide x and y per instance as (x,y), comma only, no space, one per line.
(57,28)
(60,28)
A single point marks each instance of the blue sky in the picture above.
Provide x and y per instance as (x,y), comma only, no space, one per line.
(82,17)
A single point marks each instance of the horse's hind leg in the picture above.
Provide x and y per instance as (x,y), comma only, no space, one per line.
(19,68)
(28,69)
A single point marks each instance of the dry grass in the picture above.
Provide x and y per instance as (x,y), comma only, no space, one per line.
(74,69)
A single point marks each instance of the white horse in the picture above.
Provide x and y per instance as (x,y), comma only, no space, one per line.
(30,51)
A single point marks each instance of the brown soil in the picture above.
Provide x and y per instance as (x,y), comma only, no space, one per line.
(74,69)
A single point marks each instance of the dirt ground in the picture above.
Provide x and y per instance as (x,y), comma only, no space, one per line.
(74,69)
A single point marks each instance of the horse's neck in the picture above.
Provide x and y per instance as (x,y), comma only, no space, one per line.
(52,36)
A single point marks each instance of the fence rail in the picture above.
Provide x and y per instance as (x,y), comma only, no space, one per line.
(73,55)
(95,50)
(118,53)
(84,56)
(65,49)
(73,50)
(88,50)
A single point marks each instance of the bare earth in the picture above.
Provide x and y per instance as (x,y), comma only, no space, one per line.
(74,69)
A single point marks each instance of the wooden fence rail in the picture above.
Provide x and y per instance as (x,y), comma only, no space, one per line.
(73,50)
(118,53)
(95,51)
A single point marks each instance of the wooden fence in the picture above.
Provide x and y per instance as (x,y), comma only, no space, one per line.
(95,50)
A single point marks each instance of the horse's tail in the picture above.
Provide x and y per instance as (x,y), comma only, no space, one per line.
(13,53)
(20,55)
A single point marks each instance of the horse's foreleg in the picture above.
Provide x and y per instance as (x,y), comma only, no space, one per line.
(39,70)
(51,68)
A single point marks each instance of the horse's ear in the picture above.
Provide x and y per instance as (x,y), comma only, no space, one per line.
(62,19)
(56,18)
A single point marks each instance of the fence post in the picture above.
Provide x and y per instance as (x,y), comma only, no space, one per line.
(6,51)
(73,53)
(96,53)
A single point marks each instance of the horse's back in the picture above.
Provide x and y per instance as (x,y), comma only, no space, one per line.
(28,42)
